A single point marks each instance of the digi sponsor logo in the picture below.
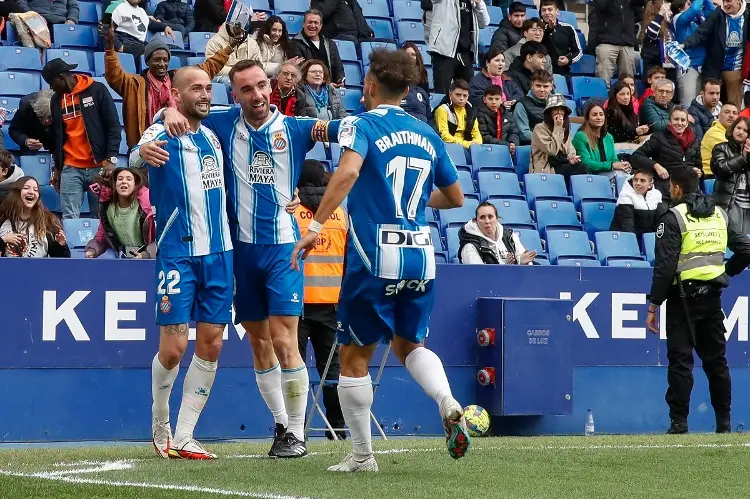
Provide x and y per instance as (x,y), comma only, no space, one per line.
(404,238)
(261,169)
(211,175)
(417,285)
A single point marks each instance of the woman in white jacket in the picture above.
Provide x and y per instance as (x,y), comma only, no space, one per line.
(484,240)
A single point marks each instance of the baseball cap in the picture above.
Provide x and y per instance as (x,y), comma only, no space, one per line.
(55,68)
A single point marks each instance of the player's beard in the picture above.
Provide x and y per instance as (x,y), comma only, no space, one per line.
(255,114)
(199,109)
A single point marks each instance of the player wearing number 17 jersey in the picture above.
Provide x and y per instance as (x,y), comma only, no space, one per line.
(390,163)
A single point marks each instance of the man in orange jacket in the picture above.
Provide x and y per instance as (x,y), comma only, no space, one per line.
(323,269)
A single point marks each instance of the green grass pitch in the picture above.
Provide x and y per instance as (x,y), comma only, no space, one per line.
(610,467)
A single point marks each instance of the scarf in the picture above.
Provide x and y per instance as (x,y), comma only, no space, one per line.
(285,104)
(686,139)
(320,97)
(499,119)
(227,5)
(159,95)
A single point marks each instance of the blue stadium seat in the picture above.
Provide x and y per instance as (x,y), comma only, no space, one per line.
(437,241)
(613,245)
(38,166)
(532,12)
(74,36)
(440,257)
(174,63)
(23,59)
(586,87)
(590,188)
(89,13)
(198,40)
(350,98)
(619,182)
(574,127)
(452,242)
(335,154)
(368,47)
(458,216)
(514,214)
(708,186)
(382,28)
(567,244)
(568,17)
(586,66)
(127,61)
(429,214)
(523,160)
(490,156)
(10,104)
(291,6)
(499,185)
(9,143)
(410,31)
(649,245)
(457,153)
(194,60)
(426,57)
(50,198)
(318,152)
(115,96)
(176,44)
(628,263)
(545,186)
(496,15)
(467,184)
(579,262)
(219,96)
(375,8)
(435,99)
(556,215)
(407,10)
(118,107)
(531,241)
(353,73)
(597,216)
(430,78)
(347,50)
(561,85)
(582,42)
(572,106)
(79,231)
(18,84)
(123,145)
(260,5)
(293,22)
(71,56)
(485,37)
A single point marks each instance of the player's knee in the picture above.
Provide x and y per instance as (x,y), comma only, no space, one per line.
(261,344)
(402,348)
(209,349)
(170,356)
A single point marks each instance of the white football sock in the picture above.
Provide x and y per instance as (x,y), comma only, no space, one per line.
(295,384)
(427,370)
(195,391)
(269,384)
(355,396)
(162,380)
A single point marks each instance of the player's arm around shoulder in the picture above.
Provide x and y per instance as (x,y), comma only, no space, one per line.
(150,149)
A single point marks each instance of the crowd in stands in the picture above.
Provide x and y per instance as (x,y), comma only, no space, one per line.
(517,92)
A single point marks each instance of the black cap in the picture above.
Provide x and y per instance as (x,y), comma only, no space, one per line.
(55,68)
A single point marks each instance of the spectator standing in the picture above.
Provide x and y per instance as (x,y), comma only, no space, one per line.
(144,94)
(285,95)
(529,111)
(417,101)
(686,17)
(209,15)
(246,49)
(655,110)
(309,44)
(176,14)
(86,134)
(492,74)
(533,31)
(715,135)
(9,173)
(653,35)
(343,20)
(456,121)
(705,108)
(613,28)
(551,148)
(496,124)
(639,206)
(317,90)
(485,240)
(653,75)
(126,220)
(27,228)
(595,146)
(31,127)
(454,45)
(560,39)
(730,165)
(510,31)
(622,120)
(531,60)
(132,22)
(724,34)
(54,12)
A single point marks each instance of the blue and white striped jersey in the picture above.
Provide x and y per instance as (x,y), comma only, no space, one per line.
(403,158)
(188,193)
(262,168)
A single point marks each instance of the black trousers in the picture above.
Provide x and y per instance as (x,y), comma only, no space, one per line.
(319,326)
(446,69)
(710,345)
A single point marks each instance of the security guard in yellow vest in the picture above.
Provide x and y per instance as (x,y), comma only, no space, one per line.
(324,268)
(690,273)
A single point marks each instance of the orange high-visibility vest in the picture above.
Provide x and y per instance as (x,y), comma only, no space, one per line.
(324,266)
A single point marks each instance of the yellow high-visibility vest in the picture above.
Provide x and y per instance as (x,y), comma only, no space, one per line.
(703,243)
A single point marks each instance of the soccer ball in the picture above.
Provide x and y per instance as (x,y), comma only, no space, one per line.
(477,420)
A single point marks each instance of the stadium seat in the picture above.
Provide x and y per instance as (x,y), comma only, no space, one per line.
(89,13)
(368,47)
(437,241)
(708,186)
(410,31)
(194,60)
(115,96)
(458,216)
(556,215)
(649,245)
(353,74)
(574,127)
(546,186)
(347,50)
(514,214)
(74,36)
(10,104)
(590,188)
(490,156)
(457,153)
(499,185)
(219,96)
(198,40)
(293,22)
(568,17)
(123,145)
(382,28)
(496,15)
(318,152)
(50,198)
(619,182)
(435,99)
(579,262)
(335,154)
(79,231)
(291,6)
(71,56)
(452,241)
(523,160)
(8,142)
(597,216)
(567,244)
(586,66)
(350,98)
(532,12)
(429,213)
(467,184)
(628,263)
(561,85)
(531,241)
(17,84)
(430,78)
(375,8)
(440,257)
(613,245)
(118,107)
(176,44)
(573,107)
(586,87)
(127,61)
(485,38)
(38,166)
(426,57)
(23,59)
(408,10)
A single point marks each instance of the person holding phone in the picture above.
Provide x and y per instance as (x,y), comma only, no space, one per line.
(132,23)
(551,148)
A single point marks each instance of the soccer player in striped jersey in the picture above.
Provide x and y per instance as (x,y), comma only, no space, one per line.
(389,165)
(263,154)
(193,263)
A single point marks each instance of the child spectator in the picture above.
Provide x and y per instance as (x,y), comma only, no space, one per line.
(595,145)
(485,240)
(176,14)
(622,119)
(495,123)
(560,39)
(456,122)
(125,216)
(27,228)
(131,22)
(639,205)
(530,60)
(529,111)
(533,31)
(654,74)
(510,31)
(551,149)
(9,173)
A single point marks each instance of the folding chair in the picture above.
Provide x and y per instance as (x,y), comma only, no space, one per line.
(317,389)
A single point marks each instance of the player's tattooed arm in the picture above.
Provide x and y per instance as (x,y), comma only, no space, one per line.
(176,330)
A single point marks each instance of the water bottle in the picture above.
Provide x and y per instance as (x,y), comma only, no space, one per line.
(588,429)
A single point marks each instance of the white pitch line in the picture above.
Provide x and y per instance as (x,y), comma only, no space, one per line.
(99,468)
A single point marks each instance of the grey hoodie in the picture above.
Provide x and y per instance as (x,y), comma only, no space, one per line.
(5,185)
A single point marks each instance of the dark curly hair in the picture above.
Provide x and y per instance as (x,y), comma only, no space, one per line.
(423,80)
(394,70)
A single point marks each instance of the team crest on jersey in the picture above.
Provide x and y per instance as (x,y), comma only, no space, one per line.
(211,177)
(261,169)
(165,306)
(279,142)
(214,141)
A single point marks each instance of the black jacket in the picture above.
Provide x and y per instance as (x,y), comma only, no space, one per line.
(487,122)
(417,104)
(54,250)
(483,247)
(727,164)
(562,41)
(703,119)
(664,149)
(615,21)
(519,74)
(636,213)
(342,17)
(506,36)
(712,34)
(310,197)
(177,15)
(304,48)
(621,130)
(26,125)
(101,122)
(669,243)
(209,15)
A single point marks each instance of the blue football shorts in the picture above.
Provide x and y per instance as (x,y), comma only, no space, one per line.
(197,288)
(265,283)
